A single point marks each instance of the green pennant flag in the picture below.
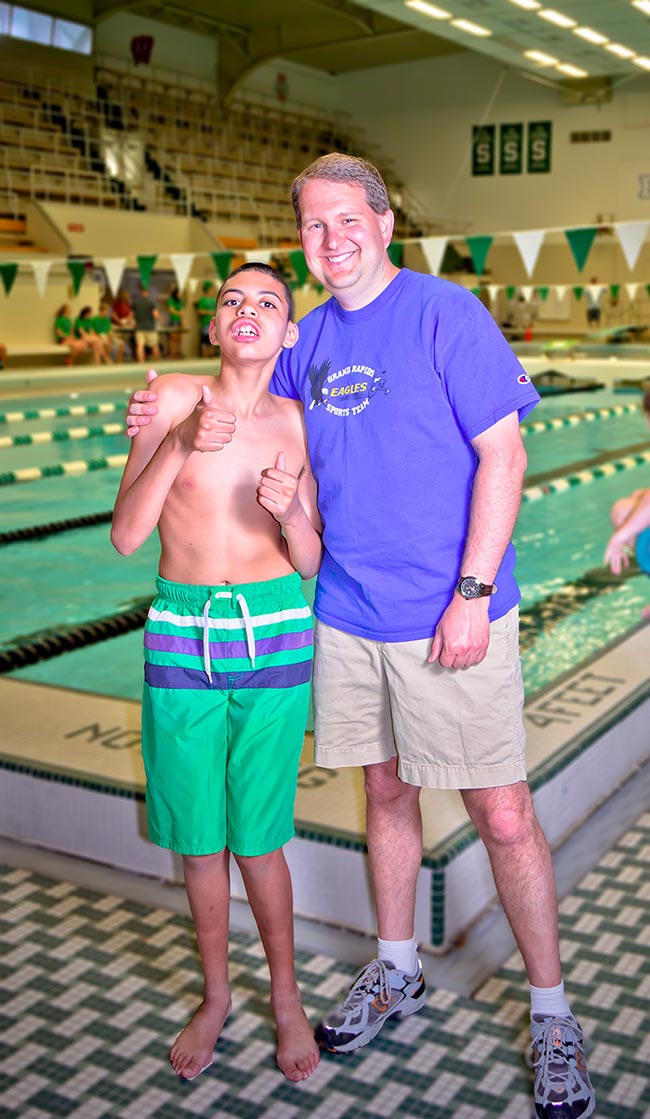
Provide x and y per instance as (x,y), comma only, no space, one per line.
(647,288)
(8,273)
(299,265)
(396,253)
(577,291)
(510,291)
(543,293)
(475,291)
(479,247)
(614,289)
(222,262)
(580,242)
(145,268)
(76,268)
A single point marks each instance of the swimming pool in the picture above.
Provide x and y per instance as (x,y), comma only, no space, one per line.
(60,583)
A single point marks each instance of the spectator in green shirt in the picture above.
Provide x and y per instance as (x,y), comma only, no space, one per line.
(205,310)
(65,335)
(84,330)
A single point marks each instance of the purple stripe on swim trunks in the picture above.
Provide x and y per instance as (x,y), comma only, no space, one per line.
(278,676)
(192,646)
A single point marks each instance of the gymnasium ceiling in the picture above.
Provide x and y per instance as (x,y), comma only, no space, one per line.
(341,35)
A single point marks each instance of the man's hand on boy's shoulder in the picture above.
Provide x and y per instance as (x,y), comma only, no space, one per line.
(142,406)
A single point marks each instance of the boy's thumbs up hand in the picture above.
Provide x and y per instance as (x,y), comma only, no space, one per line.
(278,491)
(207,427)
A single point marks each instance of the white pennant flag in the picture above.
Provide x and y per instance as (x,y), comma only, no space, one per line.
(493,291)
(529,243)
(192,285)
(595,291)
(114,268)
(631,290)
(434,250)
(560,291)
(527,292)
(263,255)
(181,263)
(41,270)
(631,234)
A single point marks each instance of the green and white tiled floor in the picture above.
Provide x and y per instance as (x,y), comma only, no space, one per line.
(94,988)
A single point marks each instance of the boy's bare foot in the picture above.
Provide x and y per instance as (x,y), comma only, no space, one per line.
(298,1053)
(192,1052)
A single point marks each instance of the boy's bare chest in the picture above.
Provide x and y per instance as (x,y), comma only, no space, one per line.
(254,448)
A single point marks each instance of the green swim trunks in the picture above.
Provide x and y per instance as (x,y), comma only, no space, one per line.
(227,671)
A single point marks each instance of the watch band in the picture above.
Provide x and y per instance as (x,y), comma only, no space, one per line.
(470,587)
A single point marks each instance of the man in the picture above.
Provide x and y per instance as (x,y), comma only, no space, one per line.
(146,316)
(412,406)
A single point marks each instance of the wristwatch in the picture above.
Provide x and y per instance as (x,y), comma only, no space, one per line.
(470,587)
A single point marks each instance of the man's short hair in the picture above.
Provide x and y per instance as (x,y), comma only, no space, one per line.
(260,266)
(339,168)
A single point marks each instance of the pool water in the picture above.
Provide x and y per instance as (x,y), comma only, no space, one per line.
(60,581)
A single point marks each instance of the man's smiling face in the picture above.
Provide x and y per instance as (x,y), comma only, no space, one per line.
(345,241)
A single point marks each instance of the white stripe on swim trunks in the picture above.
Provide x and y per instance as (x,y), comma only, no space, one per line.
(248,626)
(228,623)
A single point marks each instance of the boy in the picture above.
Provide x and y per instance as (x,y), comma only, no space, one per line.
(228,644)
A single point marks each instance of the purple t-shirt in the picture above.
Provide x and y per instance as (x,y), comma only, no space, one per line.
(393,394)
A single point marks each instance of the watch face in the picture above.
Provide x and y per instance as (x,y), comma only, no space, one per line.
(470,588)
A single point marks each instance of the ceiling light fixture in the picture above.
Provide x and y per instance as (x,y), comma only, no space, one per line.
(590,35)
(470,28)
(571,71)
(642,61)
(642,5)
(619,50)
(541,58)
(425,9)
(558,18)
(529,5)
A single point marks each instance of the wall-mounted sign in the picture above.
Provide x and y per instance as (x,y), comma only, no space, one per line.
(483,144)
(539,147)
(511,147)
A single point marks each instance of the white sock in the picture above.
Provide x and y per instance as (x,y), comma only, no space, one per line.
(549,1002)
(402,954)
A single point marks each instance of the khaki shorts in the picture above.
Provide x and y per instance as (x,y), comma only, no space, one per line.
(147,338)
(450,728)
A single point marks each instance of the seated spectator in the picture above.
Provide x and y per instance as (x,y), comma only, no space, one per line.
(122,311)
(65,336)
(112,344)
(146,316)
(84,330)
(205,310)
(176,312)
(630,516)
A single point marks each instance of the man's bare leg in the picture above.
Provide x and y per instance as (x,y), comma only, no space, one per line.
(394,836)
(268,886)
(207,881)
(523,873)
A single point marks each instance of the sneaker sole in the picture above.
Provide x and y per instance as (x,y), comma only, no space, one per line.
(408,1006)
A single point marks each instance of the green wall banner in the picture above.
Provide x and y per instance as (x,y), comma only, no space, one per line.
(483,144)
(511,149)
(539,147)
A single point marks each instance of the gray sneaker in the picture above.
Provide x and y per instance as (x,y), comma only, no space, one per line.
(562,1086)
(377,993)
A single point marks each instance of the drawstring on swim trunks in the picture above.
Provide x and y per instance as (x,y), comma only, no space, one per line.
(248,626)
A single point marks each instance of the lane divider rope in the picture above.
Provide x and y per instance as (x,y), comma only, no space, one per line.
(73,637)
(80,466)
(65,410)
(575,418)
(51,528)
(65,435)
(568,481)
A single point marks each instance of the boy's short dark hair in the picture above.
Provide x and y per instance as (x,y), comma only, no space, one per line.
(260,266)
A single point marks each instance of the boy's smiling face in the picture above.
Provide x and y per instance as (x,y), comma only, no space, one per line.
(252,318)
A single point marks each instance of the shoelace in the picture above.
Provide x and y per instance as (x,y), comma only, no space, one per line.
(560,1038)
(373,978)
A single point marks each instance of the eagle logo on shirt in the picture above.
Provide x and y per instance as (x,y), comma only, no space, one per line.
(346,392)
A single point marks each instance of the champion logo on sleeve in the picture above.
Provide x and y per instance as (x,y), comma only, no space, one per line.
(523,379)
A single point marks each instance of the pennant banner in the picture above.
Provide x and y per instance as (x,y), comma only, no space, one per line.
(631,235)
(114,268)
(527,292)
(76,268)
(529,244)
(614,289)
(8,273)
(299,265)
(222,262)
(41,270)
(145,268)
(182,264)
(577,291)
(434,250)
(396,253)
(560,291)
(580,242)
(631,290)
(493,291)
(479,248)
(261,255)
(543,293)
